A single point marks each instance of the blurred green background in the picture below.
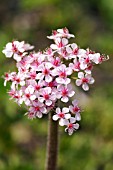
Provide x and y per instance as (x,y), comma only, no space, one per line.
(23,141)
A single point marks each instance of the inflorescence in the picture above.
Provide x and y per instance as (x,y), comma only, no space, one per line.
(43,81)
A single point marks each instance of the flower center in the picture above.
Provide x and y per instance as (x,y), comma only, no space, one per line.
(70,126)
(84,80)
(75,51)
(60,44)
(33,75)
(46,96)
(14,48)
(51,84)
(37,108)
(62,74)
(46,71)
(87,60)
(54,32)
(17,80)
(64,92)
(37,87)
(76,109)
(55,62)
(61,115)
(6,75)
(77,65)
(28,95)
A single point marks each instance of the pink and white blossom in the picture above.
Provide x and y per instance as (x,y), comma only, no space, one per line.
(59,43)
(15,49)
(44,72)
(75,66)
(46,96)
(60,33)
(65,92)
(43,79)
(71,125)
(84,80)
(29,95)
(61,115)
(8,77)
(38,108)
(62,72)
(64,32)
(75,109)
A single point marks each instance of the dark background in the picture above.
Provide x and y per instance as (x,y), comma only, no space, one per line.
(22,141)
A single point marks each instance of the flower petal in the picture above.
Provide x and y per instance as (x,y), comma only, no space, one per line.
(65,110)
(67,116)
(55,117)
(80,75)
(78,82)
(61,122)
(85,87)
(76,126)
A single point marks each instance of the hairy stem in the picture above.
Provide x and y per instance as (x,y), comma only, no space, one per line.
(52,144)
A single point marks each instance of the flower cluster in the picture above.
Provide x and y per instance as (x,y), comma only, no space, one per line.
(43,80)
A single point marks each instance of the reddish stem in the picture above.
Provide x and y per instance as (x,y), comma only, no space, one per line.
(52,144)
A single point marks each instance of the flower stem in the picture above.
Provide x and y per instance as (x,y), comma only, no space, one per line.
(52,144)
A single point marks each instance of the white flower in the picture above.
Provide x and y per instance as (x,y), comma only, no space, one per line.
(38,108)
(62,72)
(29,95)
(60,33)
(71,125)
(61,115)
(84,80)
(46,96)
(75,109)
(44,72)
(59,43)
(65,92)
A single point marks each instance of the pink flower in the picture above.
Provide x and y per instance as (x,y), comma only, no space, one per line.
(11,93)
(43,78)
(64,32)
(71,125)
(84,62)
(46,96)
(23,65)
(36,59)
(54,35)
(15,49)
(8,77)
(38,108)
(52,84)
(72,50)
(56,61)
(75,109)
(61,115)
(60,33)
(29,95)
(31,115)
(75,65)
(84,80)
(45,72)
(18,97)
(62,72)
(18,79)
(59,43)
(65,92)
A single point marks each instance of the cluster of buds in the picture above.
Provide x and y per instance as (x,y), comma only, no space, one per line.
(43,81)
